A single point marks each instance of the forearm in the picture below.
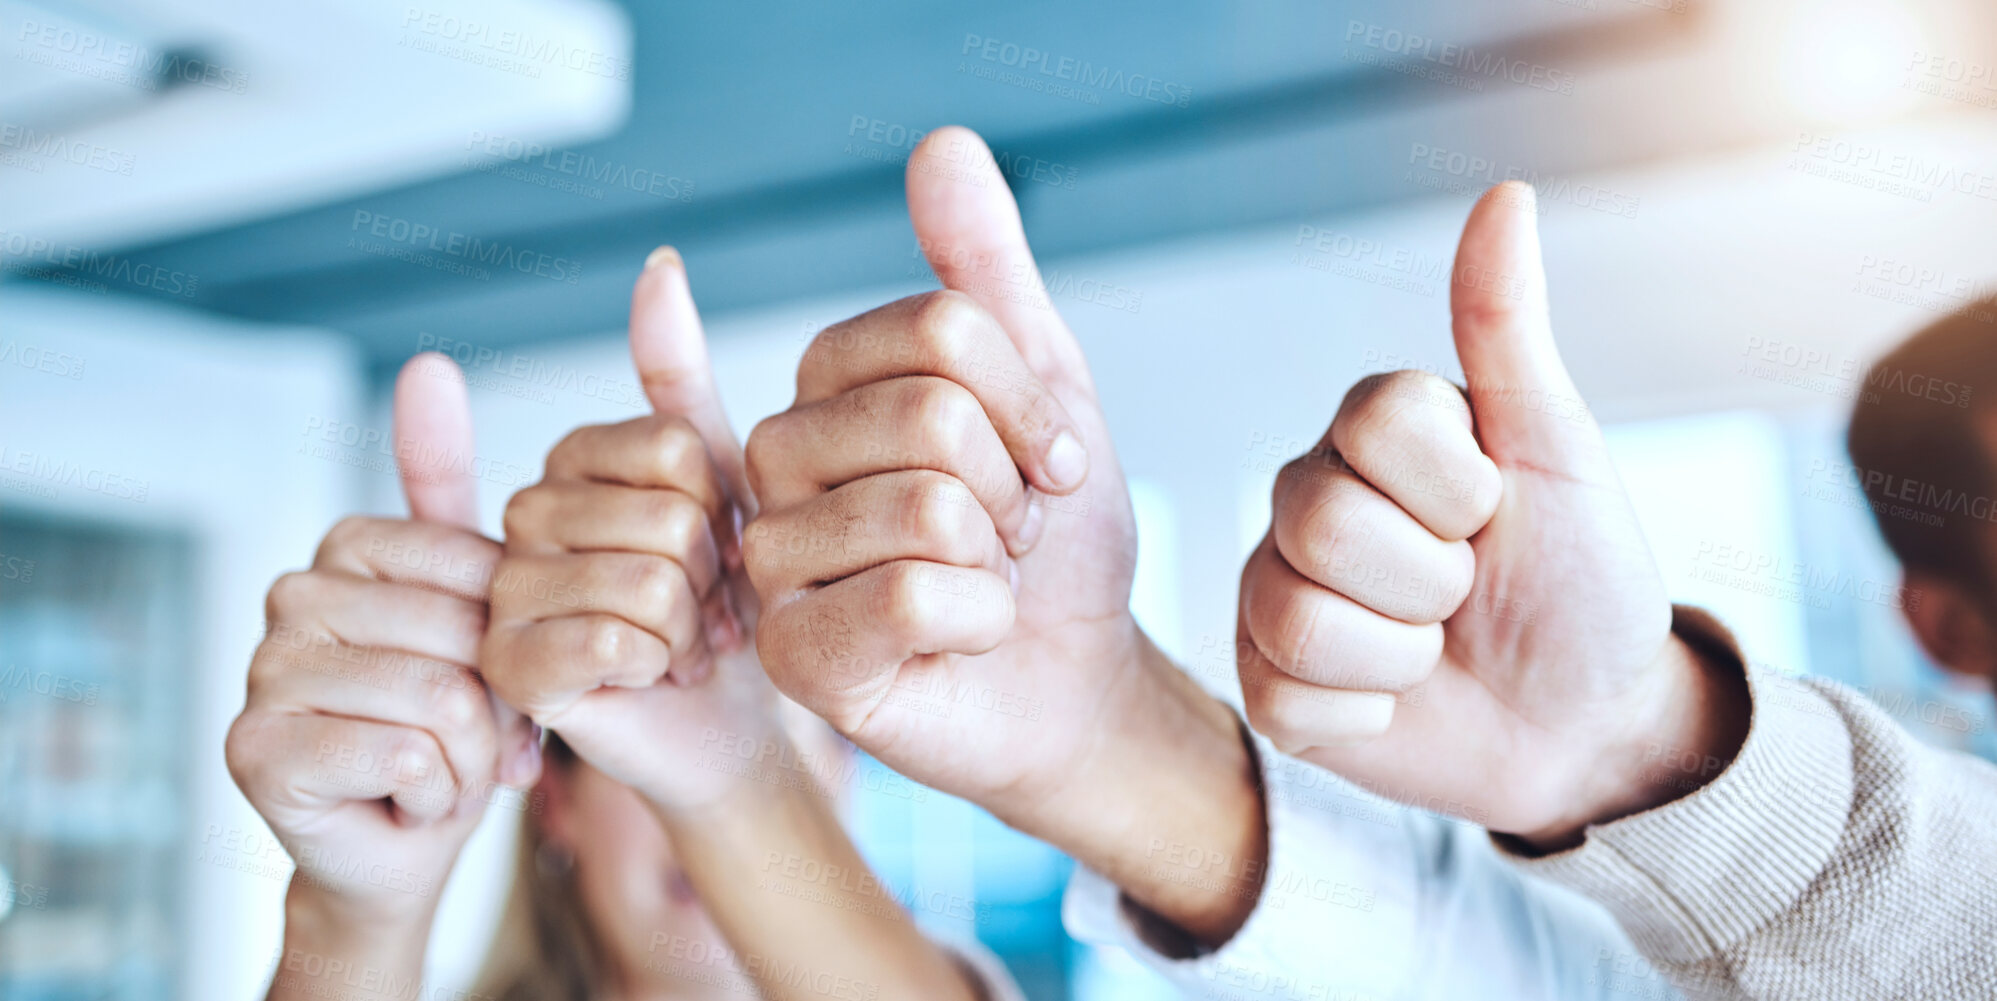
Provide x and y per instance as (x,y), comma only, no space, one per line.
(334,951)
(804,914)
(1169,806)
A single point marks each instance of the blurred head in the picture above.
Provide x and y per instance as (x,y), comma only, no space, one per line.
(600,909)
(596,880)
(1923,445)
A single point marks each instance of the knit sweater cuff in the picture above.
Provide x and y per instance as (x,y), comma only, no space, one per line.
(1703,872)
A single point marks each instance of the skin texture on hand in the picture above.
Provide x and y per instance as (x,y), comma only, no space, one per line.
(945,560)
(369,742)
(636,653)
(618,619)
(1477,547)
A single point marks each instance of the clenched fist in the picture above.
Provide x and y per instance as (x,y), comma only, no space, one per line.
(369,742)
(903,556)
(1475,547)
(945,556)
(637,654)
(619,610)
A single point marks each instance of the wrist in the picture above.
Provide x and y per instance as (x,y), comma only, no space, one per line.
(1683,733)
(730,764)
(1168,803)
(743,774)
(326,930)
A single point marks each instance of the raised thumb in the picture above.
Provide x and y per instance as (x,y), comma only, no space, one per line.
(433,441)
(968,229)
(1526,407)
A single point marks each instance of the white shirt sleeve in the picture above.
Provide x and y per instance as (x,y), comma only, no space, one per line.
(1365,899)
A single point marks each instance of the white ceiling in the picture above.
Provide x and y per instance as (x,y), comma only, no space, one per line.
(291,103)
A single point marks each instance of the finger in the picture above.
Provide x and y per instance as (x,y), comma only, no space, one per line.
(434,449)
(1296,716)
(546,666)
(312,762)
(368,613)
(655,451)
(946,334)
(447,701)
(1528,412)
(920,422)
(836,650)
(1323,638)
(916,514)
(968,227)
(562,516)
(665,454)
(436,452)
(431,555)
(1335,529)
(650,592)
(1409,434)
(669,348)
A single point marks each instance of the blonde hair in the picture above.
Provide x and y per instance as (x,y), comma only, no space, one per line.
(544,949)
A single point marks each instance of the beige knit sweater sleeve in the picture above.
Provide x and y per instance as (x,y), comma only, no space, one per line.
(1836,857)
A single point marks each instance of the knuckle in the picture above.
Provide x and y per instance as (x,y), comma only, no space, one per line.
(1486,488)
(679,519)
(499,661)
(462,624)
(1410,382)
(291,595)
(606,641)
(1454,584)
(778,647)
(525,512)
(412,755)
(1299,476)
(524,665)
(671,444)
(1331,526)
(1413,385)
(941,413)
(1292,639)
(484,554)
(241,751)
(760,450)
(819,354)
(457,703)
(934,508)
(1387,404)
(944,321)
(350,534)
(507,592)
(756,543)
(902,606)
(574,441)
(267,664)
(1375,418)
(654,582)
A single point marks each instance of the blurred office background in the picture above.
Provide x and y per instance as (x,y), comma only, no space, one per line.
(208,278)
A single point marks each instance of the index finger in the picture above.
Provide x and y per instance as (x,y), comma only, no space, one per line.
(946,334)
(659,451)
